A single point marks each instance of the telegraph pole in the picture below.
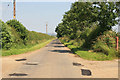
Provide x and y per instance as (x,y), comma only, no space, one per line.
(14,9)
(46,27)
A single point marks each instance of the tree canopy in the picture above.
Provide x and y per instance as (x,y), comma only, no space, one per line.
(86,14)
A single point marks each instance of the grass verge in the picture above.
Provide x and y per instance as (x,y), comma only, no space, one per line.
(86,54)
(27,49)
(93,56)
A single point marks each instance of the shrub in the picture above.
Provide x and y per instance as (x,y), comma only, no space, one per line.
(96,31)
(76,44)
(66,38)
(15,35)
(6,36)
(80,42)
(19,28)
(71,41)
(101,47)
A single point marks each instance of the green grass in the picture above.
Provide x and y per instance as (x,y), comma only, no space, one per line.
(93,56)
(24,50)
(86,54)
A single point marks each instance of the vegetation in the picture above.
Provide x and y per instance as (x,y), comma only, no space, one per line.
(119,44)
(16,39)
(88,26)
(24,50)
(6,35)
(84,53)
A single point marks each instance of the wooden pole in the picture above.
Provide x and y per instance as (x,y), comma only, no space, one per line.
(117,44)
(46,28)
(14,10)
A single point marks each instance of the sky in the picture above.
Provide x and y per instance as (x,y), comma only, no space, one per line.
(35,15)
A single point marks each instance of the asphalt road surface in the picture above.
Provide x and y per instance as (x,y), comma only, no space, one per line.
(56,61)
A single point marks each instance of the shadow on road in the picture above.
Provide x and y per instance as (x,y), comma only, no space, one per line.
(56,43)
(30,63)
(61,51)
(59,46)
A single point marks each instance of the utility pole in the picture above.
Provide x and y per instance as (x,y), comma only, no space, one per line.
(46,28)
(14,9)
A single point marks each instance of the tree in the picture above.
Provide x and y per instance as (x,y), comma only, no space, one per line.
(107,15)
(77,18)
(83,15)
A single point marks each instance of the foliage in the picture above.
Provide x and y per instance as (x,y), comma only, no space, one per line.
(106,43)
(20,29)
(24,50)
(89,26)
(15,36)
(6,36)
(101,47)
(82,15)
(35,37)
(119,44)
(86,54)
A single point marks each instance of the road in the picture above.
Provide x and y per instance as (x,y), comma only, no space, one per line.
(56,61)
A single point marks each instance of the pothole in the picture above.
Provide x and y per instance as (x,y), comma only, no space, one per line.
(86,72)
(21,59)
(31,63)
(77,64)
(18,74)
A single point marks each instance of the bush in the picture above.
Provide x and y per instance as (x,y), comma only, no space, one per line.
(80,42)
(102,47)
(6,36)
(19,29)
(76,44)
(96,31)
(15,35)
